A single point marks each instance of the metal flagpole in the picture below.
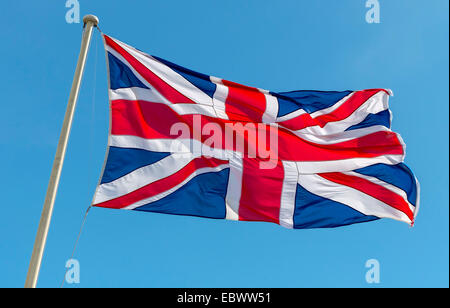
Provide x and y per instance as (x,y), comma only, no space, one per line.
(90,21)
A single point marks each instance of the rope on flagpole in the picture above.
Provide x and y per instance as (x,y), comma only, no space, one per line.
(89,21)
(76,243)
(91,147)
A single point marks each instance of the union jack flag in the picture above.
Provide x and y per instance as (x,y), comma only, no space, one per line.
(335,162)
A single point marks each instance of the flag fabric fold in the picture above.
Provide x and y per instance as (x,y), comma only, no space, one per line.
(186,143)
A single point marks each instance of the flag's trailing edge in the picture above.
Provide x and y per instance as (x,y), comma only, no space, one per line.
(338,162)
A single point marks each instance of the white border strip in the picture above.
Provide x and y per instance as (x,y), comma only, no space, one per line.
(234,190)
(287,205)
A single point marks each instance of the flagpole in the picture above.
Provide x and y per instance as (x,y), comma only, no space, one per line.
(90,21)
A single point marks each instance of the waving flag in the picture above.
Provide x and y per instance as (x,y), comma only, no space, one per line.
(186,143)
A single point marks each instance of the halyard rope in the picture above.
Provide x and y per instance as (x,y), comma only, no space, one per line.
(91,147)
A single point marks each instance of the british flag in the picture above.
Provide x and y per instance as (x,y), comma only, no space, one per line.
(335,160)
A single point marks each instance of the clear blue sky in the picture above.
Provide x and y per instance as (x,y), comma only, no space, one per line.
(278,45)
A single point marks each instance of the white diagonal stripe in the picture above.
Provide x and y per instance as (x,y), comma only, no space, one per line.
(142,177)
(391,187)
(169,76)
(176,187)
(375,104)
(291,115)
(351,197)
